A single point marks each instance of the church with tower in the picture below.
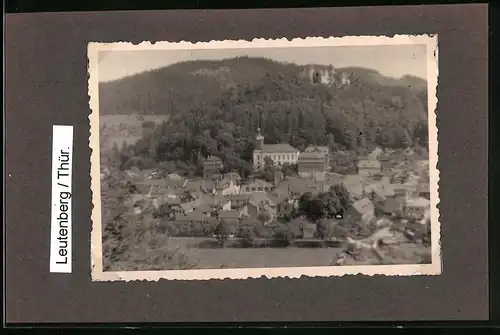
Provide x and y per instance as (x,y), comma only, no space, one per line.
(280,154)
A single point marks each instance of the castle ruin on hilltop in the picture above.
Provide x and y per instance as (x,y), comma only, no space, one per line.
(326,76)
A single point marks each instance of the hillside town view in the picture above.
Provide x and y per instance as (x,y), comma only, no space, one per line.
(278,165)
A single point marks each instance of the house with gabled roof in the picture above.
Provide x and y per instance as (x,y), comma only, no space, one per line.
(286,207)
(416,208)
(280,154)
(175,176)
(295,187)
(263,198)
(312,164)
(159,189)
(238,200)
(256,185)
(234,176)
(232,217)
(390,207)
(379,191)
(375,154)
(368,167)
(189,206)
(212,165)
(194,224)
(424,190)
(227,186)
(362,210)
(322,149)
(195,217)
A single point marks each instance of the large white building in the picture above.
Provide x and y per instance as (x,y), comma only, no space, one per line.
(280,154)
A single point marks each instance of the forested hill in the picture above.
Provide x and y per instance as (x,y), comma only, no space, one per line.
(217,105)
(198,83)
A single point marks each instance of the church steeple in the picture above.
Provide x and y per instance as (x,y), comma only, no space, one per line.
(260,140)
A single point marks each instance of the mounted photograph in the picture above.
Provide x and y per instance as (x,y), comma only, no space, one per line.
(264,158)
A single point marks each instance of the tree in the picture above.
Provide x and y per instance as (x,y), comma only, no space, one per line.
(289,169)
(246,231)
(222,232)
(406,140)
(421,151)
(321,228)
(268,163)
(332,146)
(362,141)
(283,233)
(341,193)
(205,117)
(404,176)
(350,139)
(327,230)
(297,226)
(263,217)
(387,138)
(114,157)
(162,212)
(148,127)
(305,203)
(421,134)
(331,204)
(133,242)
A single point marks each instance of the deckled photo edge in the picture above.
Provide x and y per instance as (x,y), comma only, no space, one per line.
(435,268)
(94,47)
(96,229)
(432,86)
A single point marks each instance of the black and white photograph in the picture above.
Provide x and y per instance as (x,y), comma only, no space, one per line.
(274,158)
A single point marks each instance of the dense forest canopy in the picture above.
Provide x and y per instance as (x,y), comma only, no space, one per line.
(215,107)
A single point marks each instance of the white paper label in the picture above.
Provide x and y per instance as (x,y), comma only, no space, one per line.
(61,218)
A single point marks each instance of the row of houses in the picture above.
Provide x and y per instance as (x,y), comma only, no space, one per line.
(387,162)
(402,193)
(267,202)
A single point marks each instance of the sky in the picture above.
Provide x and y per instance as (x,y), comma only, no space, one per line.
(390,60)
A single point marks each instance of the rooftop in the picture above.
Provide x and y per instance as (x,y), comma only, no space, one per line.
(367,163)
(224,182)
(295,185)
(418,202)
(376,153)
(363,206)
(242,197)
(193,185)
(262,198)
(213,159)
(192,216)
(190,204)
(143,188)
(278,148)
(230,214)
(259,182)
(174,176)
(382,190)
(311,155)
(164,182)
(316,148)
(233,175)
(173,201)
(390,205)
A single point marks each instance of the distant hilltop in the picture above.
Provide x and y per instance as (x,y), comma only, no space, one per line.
(195,84)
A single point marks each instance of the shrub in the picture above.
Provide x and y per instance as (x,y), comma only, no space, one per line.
(247,233)
(221,232)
